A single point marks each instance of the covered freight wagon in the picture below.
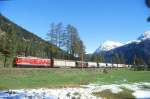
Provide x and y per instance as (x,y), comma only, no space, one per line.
(92,64)
(64,63)
(81,64)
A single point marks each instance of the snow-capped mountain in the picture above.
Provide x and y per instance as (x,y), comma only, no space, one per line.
(144,36)
(139,47)
(109,45)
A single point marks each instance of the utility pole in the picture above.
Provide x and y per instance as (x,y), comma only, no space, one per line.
(82,59)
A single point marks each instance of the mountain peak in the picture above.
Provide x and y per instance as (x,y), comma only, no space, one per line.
(144,36)
(109,45)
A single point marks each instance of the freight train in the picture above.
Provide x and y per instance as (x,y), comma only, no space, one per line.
(36,62)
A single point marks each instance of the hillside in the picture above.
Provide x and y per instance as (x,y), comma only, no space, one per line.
(133,52)
(140,51)
(18,41)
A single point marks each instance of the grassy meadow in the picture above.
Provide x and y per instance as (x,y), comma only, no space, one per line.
(17,78)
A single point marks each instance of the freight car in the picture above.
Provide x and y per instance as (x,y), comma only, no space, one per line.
(92,64)
(64,63)
(101,65)
(81,64)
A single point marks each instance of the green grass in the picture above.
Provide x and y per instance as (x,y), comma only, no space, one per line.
(16,78)
(123,76)
(107,94)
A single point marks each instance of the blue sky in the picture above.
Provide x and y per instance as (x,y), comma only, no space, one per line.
(96,20)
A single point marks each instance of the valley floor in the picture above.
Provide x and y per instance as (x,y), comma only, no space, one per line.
(79,83)
(17,78)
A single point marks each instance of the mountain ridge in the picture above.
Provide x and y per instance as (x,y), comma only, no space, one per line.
(110,45)
(136,49)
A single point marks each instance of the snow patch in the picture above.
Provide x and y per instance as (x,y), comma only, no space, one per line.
(133,41)
(142,94)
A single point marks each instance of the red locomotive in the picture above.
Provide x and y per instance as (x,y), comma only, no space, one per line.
(32,62)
